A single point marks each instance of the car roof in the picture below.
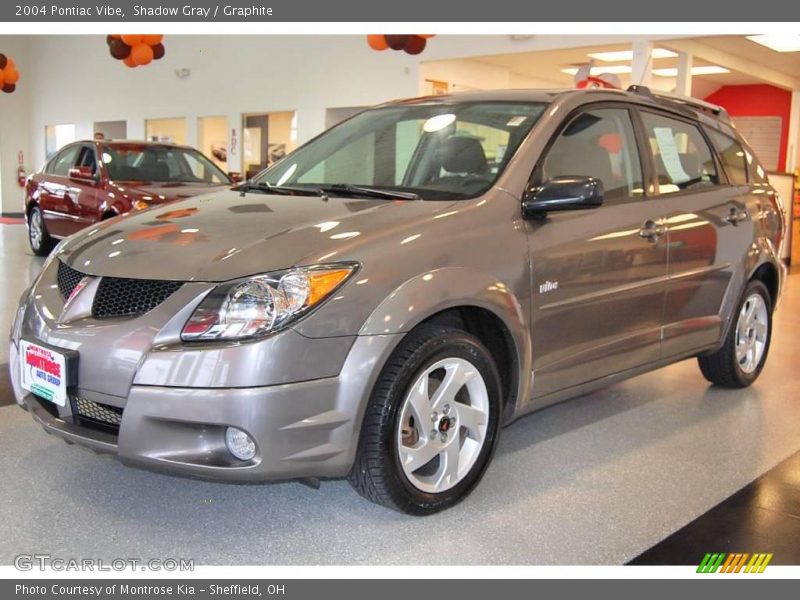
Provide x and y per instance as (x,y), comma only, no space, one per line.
(151,144)
(635,94)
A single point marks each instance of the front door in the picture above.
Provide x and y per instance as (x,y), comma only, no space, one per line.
(58,207)
(598,275)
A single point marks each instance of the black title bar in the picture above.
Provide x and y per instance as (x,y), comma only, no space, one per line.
(448,11)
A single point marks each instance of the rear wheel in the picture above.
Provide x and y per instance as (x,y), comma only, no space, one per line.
(432,424)
(740,360)
(38,237)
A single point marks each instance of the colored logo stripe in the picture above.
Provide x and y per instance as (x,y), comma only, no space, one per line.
(734,563)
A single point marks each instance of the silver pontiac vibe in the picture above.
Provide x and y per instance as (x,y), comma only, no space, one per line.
(379,303)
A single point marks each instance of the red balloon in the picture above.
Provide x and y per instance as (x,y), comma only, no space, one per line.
(158,51)
(415,45)
(3,61)
(119,49)
(9,87)
(377,42)
(397,42)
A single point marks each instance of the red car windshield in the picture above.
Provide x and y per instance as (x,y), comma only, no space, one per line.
(167,164)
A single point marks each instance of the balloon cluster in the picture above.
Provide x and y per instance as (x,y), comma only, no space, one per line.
(8,74)
(136,50)
(411,44)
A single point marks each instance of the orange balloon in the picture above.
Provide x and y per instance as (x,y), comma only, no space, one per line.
(2,76)
(132,40)
(377,42)
(114,35)
(142,54)
(10,75)
(426,35)
(10,63)
(129,62)
(152,40)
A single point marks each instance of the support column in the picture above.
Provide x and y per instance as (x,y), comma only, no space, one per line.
(793,144)
(683,83)
(642,63)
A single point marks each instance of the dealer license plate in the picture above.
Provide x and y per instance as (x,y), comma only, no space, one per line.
(44,372)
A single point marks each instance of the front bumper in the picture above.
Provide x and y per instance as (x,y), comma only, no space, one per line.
(303,407)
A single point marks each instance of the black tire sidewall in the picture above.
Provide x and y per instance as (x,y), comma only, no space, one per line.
(754,286)
(450,344)
(45,238)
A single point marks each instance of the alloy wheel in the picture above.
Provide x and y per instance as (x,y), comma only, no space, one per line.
(752,330)
(443,425)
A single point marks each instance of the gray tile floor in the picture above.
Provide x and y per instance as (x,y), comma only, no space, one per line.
(593,481)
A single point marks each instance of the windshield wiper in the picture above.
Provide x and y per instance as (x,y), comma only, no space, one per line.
(346,189)
(268,188)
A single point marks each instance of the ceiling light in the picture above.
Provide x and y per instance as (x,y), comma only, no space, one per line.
(623,55)
(780,42)
(615,69)
(705,70)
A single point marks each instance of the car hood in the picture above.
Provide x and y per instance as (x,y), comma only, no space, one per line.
(225,235)
(165,191)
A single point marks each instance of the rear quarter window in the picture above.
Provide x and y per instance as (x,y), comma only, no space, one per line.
(732,155)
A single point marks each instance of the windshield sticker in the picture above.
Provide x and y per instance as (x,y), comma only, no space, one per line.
(669,154)
(516,121)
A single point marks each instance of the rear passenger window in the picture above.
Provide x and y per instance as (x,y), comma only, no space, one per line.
(683,159)
(598,143)
(732,155)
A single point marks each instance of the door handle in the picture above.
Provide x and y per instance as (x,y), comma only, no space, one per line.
(652,231)
(736,216)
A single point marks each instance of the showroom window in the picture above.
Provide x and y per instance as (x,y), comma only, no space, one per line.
(58,136)
(682,157)
(212,138)
(732,155)
(598,143)
(166,130)
(64,162)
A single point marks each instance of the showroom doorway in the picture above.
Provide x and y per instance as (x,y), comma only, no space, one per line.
(56,136)
(212,139)
(266,138)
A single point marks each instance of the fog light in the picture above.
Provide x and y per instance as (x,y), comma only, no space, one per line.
(239,443)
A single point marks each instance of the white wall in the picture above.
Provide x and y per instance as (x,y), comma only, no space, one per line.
(15,125)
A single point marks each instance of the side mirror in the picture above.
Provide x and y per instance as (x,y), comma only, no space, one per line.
(562,193)
(81,174)
(235,176)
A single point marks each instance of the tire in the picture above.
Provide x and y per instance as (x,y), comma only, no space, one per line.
(38,237)
(441,359)
(725,367)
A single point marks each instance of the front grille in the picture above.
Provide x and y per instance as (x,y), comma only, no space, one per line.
(103,415)
(118,297)
(68,279)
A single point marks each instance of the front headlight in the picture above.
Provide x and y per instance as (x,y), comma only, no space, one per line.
(262,304)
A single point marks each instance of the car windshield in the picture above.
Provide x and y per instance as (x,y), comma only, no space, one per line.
(433,150)
(154,163)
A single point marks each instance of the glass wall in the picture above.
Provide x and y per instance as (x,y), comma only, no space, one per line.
(212,139)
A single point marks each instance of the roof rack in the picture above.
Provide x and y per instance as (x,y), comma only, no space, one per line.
(685,100)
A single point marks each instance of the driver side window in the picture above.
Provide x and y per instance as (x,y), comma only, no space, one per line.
(598,143)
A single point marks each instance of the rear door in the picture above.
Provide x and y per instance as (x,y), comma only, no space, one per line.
(706,219)
(60,212)
(598,275)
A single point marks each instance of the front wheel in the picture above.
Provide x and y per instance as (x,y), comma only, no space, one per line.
(38,236)
(739,361)
(431,427)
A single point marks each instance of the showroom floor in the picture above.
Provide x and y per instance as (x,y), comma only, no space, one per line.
(597,480)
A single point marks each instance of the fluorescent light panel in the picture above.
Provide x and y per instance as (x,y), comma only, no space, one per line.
(627,55)
(703,70)
(780,42)
(615,69)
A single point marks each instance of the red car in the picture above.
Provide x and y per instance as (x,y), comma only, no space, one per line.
(89,181)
